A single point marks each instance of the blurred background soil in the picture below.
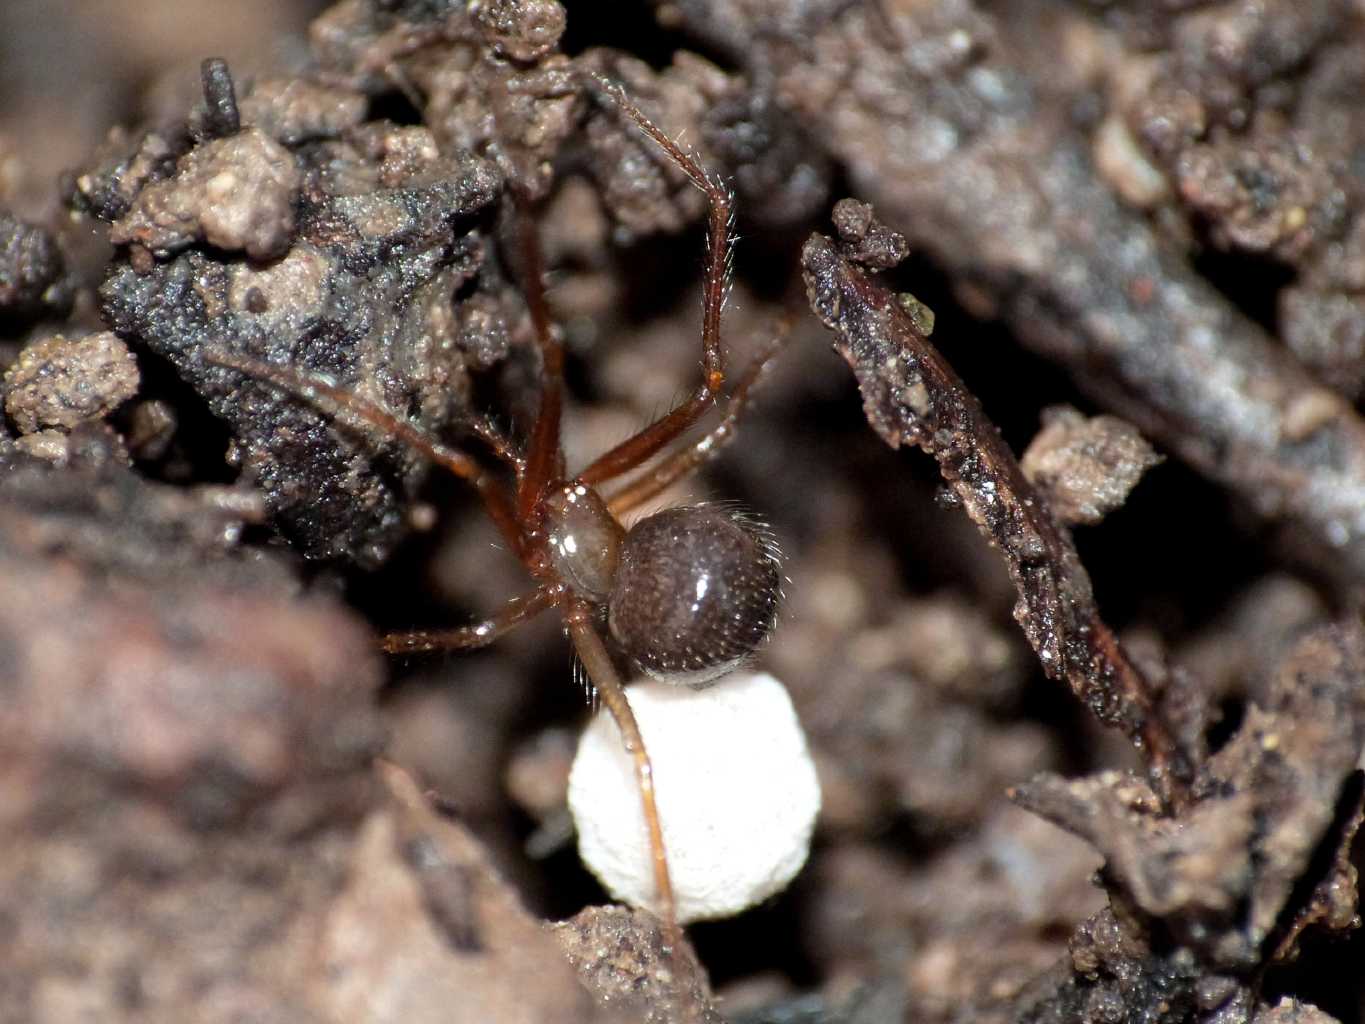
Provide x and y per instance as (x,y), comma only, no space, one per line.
(1131,220)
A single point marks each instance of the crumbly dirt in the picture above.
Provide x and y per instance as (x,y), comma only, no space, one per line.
(1085,686)
(59,382)
(33,281)
(1086,466)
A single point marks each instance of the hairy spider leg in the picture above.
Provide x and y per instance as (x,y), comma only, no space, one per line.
(654,481)
(482,426)
(318,390)
(634,451)
(544,456)
(520,609)
(578,619)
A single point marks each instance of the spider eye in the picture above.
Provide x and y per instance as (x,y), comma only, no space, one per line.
(696,591)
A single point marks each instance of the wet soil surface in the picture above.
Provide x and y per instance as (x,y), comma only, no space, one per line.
(1085,686)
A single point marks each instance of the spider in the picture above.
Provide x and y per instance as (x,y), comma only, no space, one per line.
(686,593)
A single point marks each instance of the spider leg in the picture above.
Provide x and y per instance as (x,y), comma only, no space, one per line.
(323,393)
(656,480)
(480,634)
(544,458)
(635,450)
(487,431)
(593,654)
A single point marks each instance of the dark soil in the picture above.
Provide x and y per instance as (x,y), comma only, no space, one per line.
(1086,687)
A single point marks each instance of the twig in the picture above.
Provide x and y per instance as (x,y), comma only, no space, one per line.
(911,395)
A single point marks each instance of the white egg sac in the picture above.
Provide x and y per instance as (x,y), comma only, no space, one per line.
(736,789)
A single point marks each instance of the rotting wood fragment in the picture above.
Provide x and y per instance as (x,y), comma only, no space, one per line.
(911,395)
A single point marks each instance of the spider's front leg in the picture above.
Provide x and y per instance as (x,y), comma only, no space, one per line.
(634,451)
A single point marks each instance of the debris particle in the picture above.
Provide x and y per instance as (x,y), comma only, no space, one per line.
(58,381)
(33,279)
(235,193)
(1086,466)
